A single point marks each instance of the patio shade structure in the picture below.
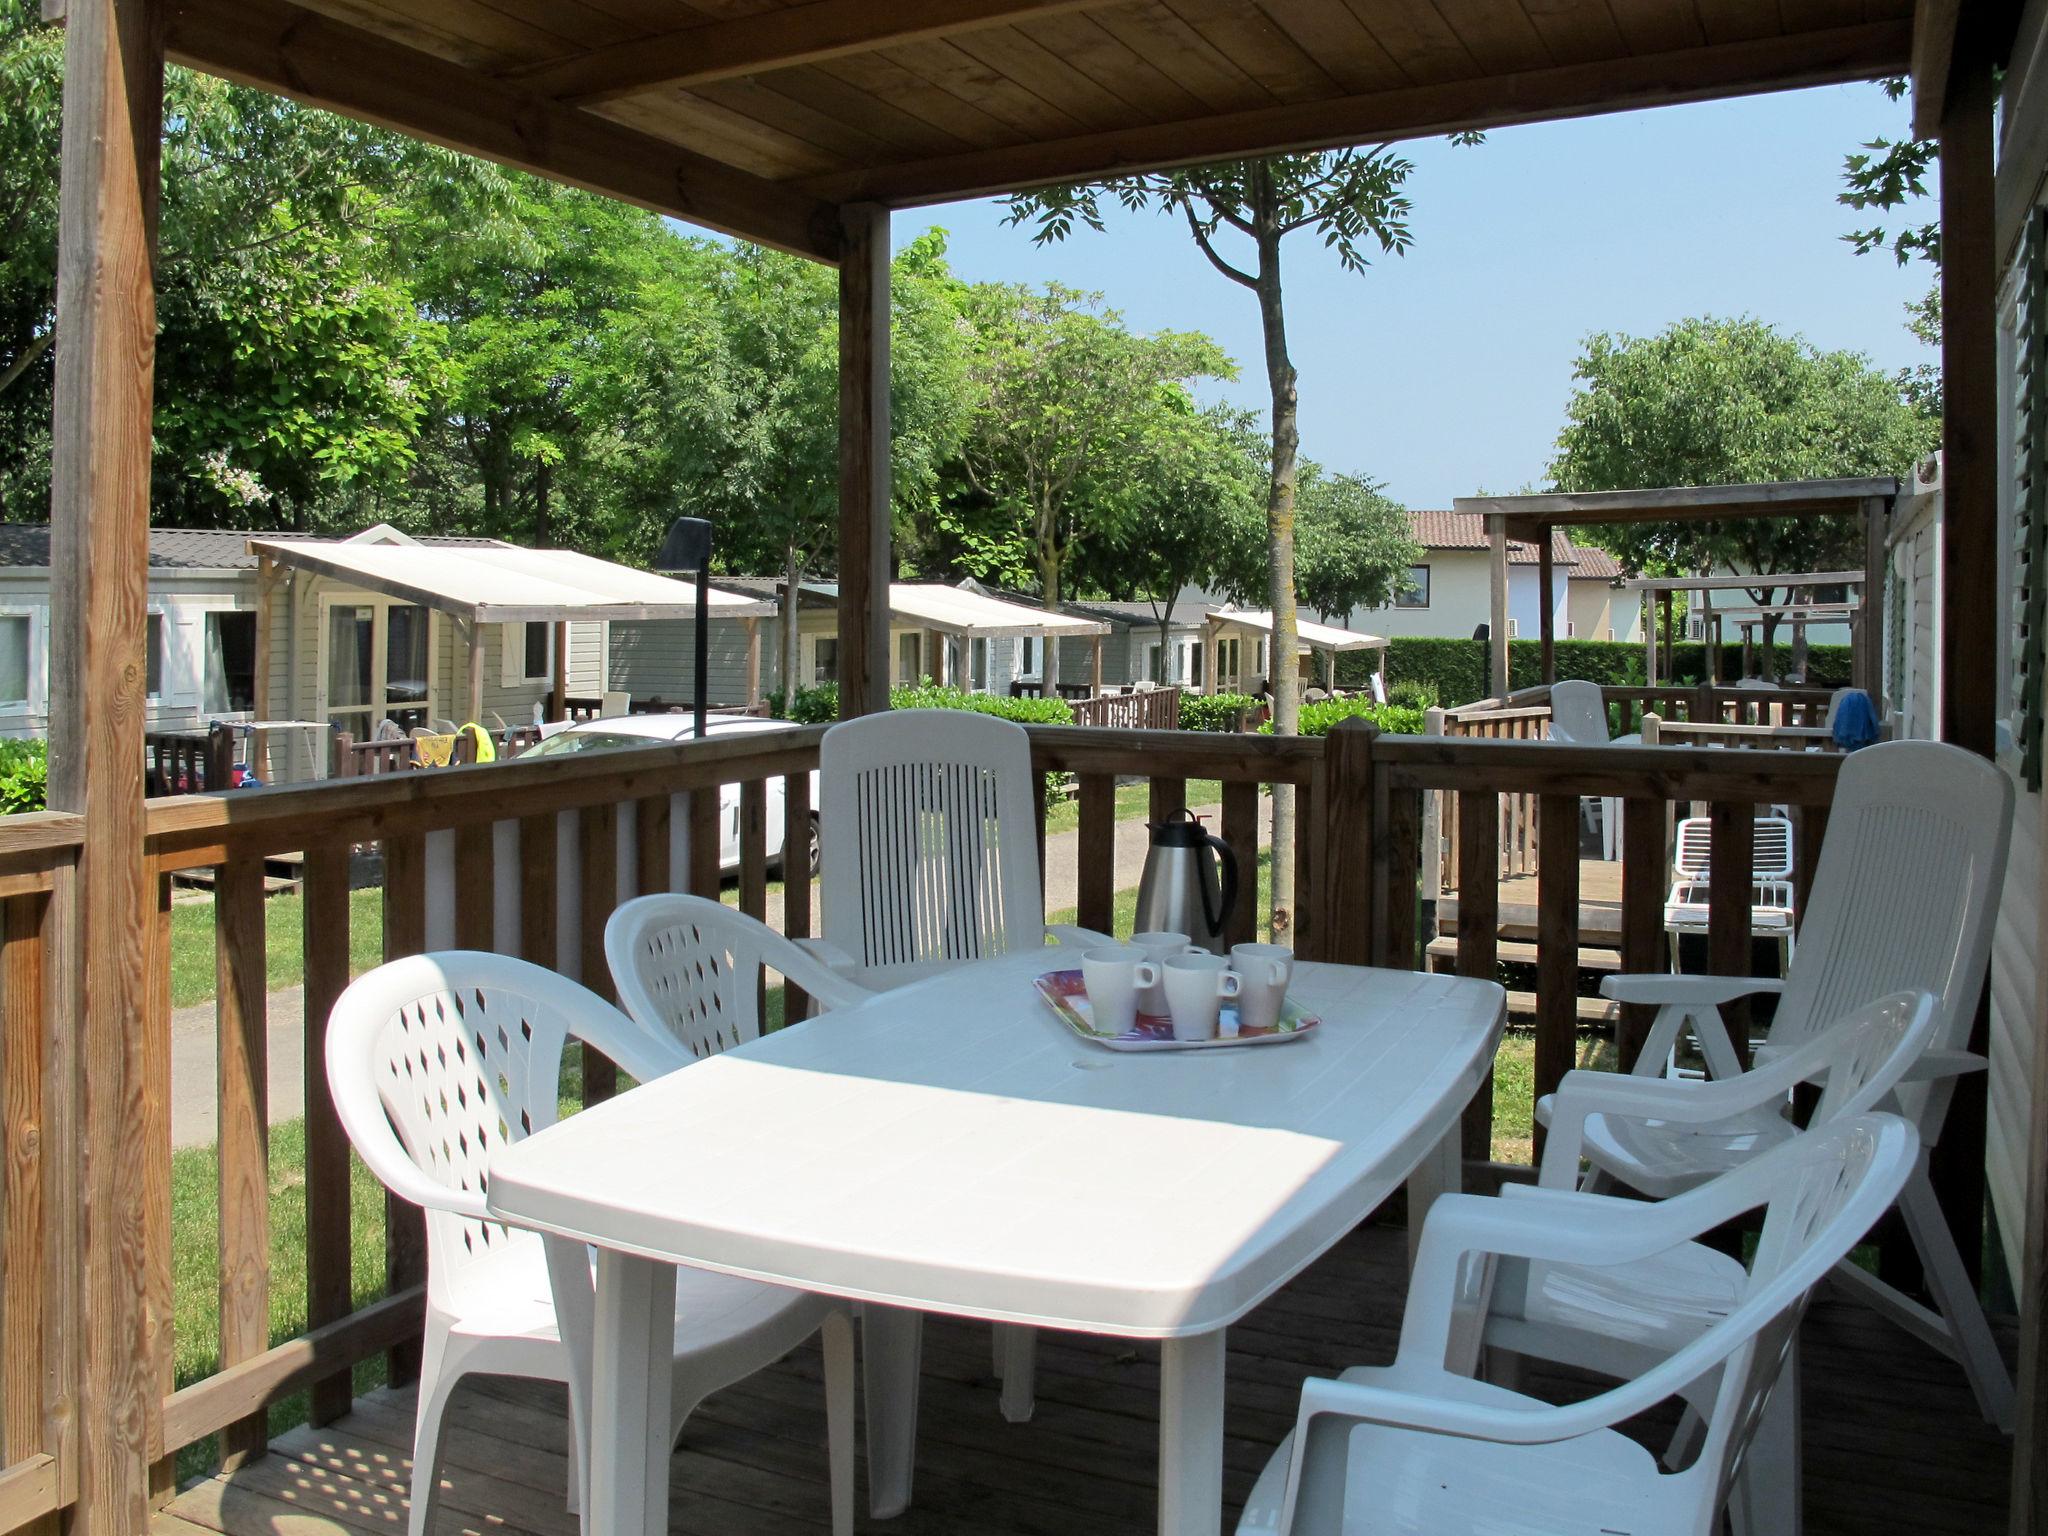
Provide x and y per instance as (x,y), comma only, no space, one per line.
(1793,610)
(802,126)
(1530,519)
(963,614)
(1311,637)
(483,584)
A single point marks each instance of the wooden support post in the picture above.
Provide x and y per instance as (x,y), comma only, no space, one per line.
(266,600)
(1546,621)
(99,515)
(1096,678)
(474,698)
(558,685)
(864,461)
(1497,631)
(753,662)
(1868,658)
(1347,755)
(1647,608)
(1670,655)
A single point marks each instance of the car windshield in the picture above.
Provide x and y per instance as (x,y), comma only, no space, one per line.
(563,742)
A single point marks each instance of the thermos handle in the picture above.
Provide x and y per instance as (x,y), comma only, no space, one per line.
(1228,859)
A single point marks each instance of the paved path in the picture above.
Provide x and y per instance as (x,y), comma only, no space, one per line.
(194,1094)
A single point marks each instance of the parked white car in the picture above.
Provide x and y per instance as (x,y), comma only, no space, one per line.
(647,730)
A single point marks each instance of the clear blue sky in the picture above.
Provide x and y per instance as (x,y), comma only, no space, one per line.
(1446,371)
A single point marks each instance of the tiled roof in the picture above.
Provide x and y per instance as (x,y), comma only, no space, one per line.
(1466,530)
(1595,564)
(170,549)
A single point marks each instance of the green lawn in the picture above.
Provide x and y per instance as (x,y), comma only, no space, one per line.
(192,943)
(1133,803)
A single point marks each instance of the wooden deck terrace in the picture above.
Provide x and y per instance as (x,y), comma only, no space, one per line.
(1893,1441)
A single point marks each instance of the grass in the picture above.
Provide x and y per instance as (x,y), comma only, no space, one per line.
(192,942)
(1133,803)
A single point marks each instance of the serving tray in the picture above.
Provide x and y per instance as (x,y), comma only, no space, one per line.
(1066,995)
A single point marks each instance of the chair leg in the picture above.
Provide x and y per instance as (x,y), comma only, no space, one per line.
(1957,1301)
(1020,1372)
(837,1337)
(437,1384)
(1768,1493)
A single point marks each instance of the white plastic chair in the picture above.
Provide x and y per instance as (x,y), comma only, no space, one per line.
(1621,1321)
(928,849)
(1770,871)
(437,1060)
(1417,1447)
(691,968)
(1904,898)
(1578,717)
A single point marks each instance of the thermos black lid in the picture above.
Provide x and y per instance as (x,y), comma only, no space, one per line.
(1177,833)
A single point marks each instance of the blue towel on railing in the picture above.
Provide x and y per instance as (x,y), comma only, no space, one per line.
(1856,722)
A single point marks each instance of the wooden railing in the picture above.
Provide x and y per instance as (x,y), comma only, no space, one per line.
(1145,709)
(531,857)
(1523,716)
(188,762)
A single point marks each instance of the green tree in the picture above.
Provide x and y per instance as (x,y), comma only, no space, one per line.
(1717,402)
(1889,176)
(1068,400)
(1353,200)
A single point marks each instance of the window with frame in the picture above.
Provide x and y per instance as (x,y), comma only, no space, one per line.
(153,656)
(1027,656)
(15,631)
(1414,589)
(977,666)
(230,668)
(538,643)
(909,657)
(377,666)
(824,660)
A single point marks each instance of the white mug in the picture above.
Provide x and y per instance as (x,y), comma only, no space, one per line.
(1265,970)
(1196,985)
(1159,948)
(1114,976)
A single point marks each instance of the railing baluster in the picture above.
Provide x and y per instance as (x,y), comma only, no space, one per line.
(1312,919)
(796,878)
(1479,937)
(1399,903)
(1731,855)
(25,1209)
(476,885)
(706,813)
(1095,897)
(244,1127)
(405,1227)
(329,1238)
(1644,865)
(539,937)
(652,828)
(754,863)
(1810,828)
(1168,796)
(1557,945)
(598,836)
(1349,874)
(1241,832)
(156,1171)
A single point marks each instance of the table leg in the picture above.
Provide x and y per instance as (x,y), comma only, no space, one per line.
(891,1346)
(1442,1172)
(1191,1435)
(629,1418)
(1019,1346)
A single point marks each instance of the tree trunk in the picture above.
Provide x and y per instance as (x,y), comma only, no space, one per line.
(1767,664)
(1283,678)
(1049,586)
(792,652)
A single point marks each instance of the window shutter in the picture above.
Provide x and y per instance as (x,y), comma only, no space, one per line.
(2030,522)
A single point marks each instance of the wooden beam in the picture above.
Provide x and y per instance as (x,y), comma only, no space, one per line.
(291,51)
(1773,498)
(864,461)
(736,46)
(1546,620)
(1934,43)
(99,515)
(1497,612)
(1610,85)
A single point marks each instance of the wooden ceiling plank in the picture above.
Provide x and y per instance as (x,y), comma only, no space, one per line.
(677,117)
(1046,75)
(1418,39)
(292,52)
(945,66)
(1261,49)
(460,31)
(1576,31)
(759,101)
(771,40)
(886,79)
(879,115)
(1328,32)
(1663,26)
(1575,90)
(572,23)
(1739,21)
(1500,36)
(1149,28)
(1130,77)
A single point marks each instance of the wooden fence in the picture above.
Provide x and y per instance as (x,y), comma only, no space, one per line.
(531,857)
(1143,709)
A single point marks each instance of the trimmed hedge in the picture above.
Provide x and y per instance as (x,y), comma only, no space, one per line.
(24,776)
(820,705)
(1457,669)
(1214,711)
(1316,719)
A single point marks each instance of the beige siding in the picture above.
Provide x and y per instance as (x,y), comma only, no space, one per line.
(2015,1010)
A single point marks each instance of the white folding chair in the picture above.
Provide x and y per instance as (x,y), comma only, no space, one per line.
(1770,873)
(1904,898)
(1420,1447)
(434,1063)
(928,854)
(1578,717)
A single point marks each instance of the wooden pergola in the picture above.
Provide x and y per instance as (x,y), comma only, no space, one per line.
(1531,519)
(802,126)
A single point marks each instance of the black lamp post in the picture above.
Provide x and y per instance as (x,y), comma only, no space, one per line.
(688,548)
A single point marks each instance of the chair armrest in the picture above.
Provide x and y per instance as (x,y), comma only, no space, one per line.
(1583,1094)
(1934,1065)
(1661,990)
(799,963)
(377,1144)
(1070,936)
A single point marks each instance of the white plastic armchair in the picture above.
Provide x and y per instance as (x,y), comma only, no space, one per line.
(1578,717)
(436,1061)
(1417,1447)
(691,968)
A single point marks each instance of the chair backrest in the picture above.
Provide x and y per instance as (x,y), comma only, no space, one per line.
(1578,713)
(1695,842)
(691,964)
(437,1060)
(1770,849)
(1904,898)
(928,839)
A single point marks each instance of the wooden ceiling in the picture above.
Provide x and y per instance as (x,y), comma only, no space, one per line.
(759,117)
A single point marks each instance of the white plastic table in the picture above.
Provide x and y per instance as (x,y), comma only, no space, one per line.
(951,1147)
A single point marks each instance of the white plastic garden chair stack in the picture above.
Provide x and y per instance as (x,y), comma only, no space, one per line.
(1417,1447)
(1578,716)
(928,832)
(437,1060)
(1904,898)
(1770,877)
(1624,1320)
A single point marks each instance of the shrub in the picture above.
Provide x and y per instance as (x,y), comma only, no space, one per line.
(1316,719)
(24,776)
(1214,711)
(1414,693)
(1025,711)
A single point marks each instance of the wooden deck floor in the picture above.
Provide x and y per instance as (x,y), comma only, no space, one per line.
(1893,1441)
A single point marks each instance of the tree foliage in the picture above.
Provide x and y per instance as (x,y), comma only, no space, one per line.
(1354,546)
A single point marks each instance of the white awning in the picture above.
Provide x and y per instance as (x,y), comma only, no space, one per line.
(1321,637)
(957,611)
(502,584)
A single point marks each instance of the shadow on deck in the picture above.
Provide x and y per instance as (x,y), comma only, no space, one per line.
(1893,1439)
